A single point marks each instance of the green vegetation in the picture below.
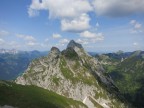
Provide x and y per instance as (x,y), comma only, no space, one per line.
(80,74)
(128,75)
(55,80)
(65,70)
(132,72)
(33,97)
(70,54)
(76,65)
(109,68)
(25,76)
(100,94)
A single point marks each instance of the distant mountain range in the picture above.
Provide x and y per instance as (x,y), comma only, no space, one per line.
(13,62)
(109,76)
(11,51)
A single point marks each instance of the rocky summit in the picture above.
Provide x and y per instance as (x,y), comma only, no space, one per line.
(75,74)
(73,44)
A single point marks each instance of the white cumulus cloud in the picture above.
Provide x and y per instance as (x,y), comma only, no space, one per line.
(136,27)
(90,35)
(82,41)
(63,41)
(26,37)
(74,8)
(60,8)
(132,22)
(31,43)
(78,24)
(56,36)
(33,12)
(72,13)
(118,8)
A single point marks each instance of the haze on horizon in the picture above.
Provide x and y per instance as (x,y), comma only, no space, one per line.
(99,25)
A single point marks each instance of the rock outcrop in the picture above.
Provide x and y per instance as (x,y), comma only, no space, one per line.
(74,74)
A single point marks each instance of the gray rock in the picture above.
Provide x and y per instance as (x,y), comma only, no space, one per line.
(74,78)
(73,44)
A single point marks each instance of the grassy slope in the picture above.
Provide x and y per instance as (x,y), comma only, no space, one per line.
(33,97)
(128,74)
(129,77)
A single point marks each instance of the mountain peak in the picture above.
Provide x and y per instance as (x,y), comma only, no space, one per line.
(74,74)
(73,44)
(55,50)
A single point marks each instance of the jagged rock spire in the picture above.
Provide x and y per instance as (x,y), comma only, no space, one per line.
(73,44)
(55,49)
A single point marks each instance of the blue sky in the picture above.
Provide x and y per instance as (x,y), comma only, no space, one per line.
(99,25)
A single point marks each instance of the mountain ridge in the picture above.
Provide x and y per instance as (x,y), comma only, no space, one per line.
(75,74)
(126,69)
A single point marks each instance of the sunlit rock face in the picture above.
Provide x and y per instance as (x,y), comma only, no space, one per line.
(74,74)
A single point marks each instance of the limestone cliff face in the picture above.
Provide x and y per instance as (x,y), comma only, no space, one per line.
(74,74)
